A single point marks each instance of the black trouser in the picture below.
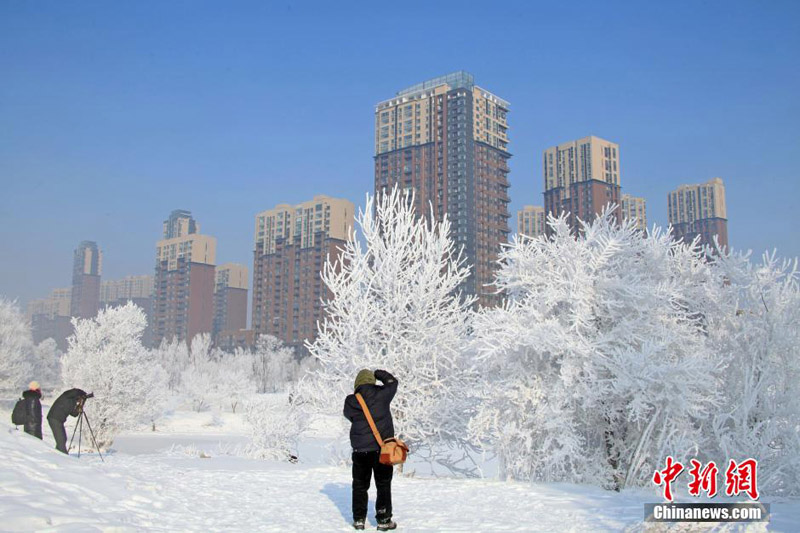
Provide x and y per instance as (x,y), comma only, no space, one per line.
(59,433)
(364,464)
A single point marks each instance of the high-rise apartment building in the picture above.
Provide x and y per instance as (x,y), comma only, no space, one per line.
(50,317)
(136,289)
(699,210)
(87,267)
(581,178)
(447,140)
(127,288)
(635,208)
(531,221)
(180,224)
(291,246)
(230,298)
(183,299)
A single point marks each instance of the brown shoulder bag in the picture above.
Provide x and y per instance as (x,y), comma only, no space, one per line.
(393,450)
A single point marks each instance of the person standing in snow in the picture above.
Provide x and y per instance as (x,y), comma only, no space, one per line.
(366,451)
(33,409)
(68,404)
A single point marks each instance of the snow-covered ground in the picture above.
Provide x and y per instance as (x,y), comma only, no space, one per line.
(184,477)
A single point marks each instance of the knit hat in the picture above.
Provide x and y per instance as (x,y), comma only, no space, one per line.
(34,385)
(364,377)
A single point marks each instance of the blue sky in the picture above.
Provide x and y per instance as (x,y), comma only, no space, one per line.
(113,114)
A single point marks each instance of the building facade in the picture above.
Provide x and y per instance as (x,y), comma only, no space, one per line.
(136,289)
(699,210)
(531,221)
(581,178)
(183,298)
(87,266)
(50,317)
(635,208)
(127,288)
(447,140)
(290,249)
(230,298)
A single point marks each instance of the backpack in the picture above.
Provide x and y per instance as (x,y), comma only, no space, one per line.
(19,416)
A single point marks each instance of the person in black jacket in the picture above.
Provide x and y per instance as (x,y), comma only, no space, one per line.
(33,409)
(68,404)
(366,451)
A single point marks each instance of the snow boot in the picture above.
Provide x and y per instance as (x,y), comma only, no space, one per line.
(386,525)
(359,524)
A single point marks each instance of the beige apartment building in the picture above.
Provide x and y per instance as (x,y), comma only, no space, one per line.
(230,299)
(183,299)
(127,288)
(635,208)
(50,317)
(447,139)
(57,304)
(135,289)
(699,209)
(290,248)
(531,221)
(581,178)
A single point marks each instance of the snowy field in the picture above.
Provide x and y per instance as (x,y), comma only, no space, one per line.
(186,477)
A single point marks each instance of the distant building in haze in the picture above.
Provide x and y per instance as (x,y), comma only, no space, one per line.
(87,267)
(635,208)
(230,298)
(50,317)
(447,139)
(136,289)
(699,209)
(581,178)
(531,221)
(290,248)
(183,300)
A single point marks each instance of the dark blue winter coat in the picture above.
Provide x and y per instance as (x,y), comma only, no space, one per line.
(378,398)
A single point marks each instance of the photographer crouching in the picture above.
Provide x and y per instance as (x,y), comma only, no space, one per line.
(70,403)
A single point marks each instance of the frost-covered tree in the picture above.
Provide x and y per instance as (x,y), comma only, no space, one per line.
(756,328)
(235,380)
(16,346)
(216,378)
(106,356)
(47,364)
(396,305)
(174,357)
(598,366)
(275,427)
(202,350)
(198,386)
(274,364)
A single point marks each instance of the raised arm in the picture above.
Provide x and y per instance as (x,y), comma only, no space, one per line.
(389,383)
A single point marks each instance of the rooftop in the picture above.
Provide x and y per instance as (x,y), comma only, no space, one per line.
(460,79)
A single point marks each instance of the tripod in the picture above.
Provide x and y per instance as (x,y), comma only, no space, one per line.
(79,429)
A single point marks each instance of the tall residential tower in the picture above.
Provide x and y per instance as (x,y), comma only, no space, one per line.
(447,140)
(581,178)
(699,210)
(531,221)
(183,299)
(291,246)
(635,208)
(230,298)
(87,265)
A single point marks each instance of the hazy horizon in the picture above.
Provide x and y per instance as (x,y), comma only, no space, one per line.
(113,115)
